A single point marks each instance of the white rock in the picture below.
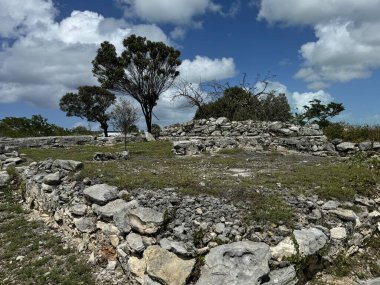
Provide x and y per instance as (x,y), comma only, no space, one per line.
(338,233)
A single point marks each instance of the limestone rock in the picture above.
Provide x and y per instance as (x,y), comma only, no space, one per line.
(69,165)
(137,267)
(135,243)
(149,281)
(145,220)
(101,194)
(345,215)
(285,248)
(78,209)
(238,263)
(4,179)
(309,240)
(283,276)
(149,137)
(166,267)
(52,179)
(338,233)
(346,146)
(174,246)
(86,224)
(107,211)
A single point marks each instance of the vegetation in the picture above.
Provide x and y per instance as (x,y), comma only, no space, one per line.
(318,113)
(36,126)
(91,102)
(239,104)
(31,252)
(123,117)
(156,129)
(144,70)
(352,133)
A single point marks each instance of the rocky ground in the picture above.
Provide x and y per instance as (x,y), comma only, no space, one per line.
(311,216)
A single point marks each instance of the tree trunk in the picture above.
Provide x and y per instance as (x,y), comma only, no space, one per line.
(148,120)
(105,129)
(125,140)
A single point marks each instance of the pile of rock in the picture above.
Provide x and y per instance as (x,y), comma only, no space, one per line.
(106,156)
(211,135)
(160,237)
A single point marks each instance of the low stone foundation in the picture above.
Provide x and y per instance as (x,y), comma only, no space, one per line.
(212,135)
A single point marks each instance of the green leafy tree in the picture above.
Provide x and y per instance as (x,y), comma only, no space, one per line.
(123,117)
(319,113)
(144,70)
(91,102)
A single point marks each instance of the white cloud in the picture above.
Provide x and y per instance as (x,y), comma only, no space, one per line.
(298,100)
(51,58)
(348,42)
(47,58)
(19,17)
(203,69)
(168,11)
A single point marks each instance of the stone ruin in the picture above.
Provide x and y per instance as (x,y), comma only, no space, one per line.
(212,135)
(163,238)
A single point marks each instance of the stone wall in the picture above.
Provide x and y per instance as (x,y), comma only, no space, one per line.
(160,237)
(214,134)
(61,141)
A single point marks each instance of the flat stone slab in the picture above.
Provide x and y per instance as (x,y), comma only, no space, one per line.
(69,165)
(166,267)
(107,211)
(101,194)
(283,276)
(145,220)
(238,263)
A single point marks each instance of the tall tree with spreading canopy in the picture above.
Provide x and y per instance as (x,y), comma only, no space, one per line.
(91,102)
(144,70)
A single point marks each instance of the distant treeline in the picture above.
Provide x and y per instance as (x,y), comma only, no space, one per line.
(36,126)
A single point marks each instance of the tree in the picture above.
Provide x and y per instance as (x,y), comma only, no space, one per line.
(123,117)
(91,102)
(240,104)
(35,126)
(156,129)
(144,70)
(319,113)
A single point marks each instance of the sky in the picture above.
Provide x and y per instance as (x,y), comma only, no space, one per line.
(314,49)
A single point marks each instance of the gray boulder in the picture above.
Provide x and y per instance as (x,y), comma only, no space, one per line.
(69,165)
(52,179)
(346,146)
(101,194)
(120,218)
(310,240)
(283,276)
(174,246)
(107,211)
(86,224)
(239,263)
(145,220)
(4,179)
(135,243)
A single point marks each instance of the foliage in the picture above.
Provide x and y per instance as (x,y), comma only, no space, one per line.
(352,133)
(239,104)
(144,70)
(318,113)
(133,129)
(81,130)
(124,115)
(36,126)
(91,102)
(156,129)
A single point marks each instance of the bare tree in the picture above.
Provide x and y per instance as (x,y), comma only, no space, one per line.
(124,115)
(197,95)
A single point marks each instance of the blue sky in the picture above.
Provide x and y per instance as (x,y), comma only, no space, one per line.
(325,49)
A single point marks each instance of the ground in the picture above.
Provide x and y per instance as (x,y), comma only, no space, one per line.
(263,181)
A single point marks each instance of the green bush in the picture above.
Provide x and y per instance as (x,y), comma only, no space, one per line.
(352,133)
(239,105)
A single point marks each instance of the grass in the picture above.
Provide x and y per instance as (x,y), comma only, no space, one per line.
(45,259)
(152,165)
